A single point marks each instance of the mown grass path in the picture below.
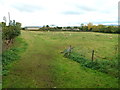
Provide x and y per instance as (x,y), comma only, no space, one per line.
(42,66)
(33,70)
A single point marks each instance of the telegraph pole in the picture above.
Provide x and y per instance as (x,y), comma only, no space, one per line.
(9,17)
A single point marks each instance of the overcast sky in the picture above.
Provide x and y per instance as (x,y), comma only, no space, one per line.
(60,12)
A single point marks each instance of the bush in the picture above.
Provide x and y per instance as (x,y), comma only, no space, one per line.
(11,31)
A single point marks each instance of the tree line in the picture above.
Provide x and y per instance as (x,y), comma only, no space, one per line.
(87,28)
(99,28)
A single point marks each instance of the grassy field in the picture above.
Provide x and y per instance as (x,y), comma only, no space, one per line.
(43,66)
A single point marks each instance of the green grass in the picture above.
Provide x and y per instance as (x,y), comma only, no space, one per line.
(43,66)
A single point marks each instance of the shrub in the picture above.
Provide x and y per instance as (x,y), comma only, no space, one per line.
(11,31)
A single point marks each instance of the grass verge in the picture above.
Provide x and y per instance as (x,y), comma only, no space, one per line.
(12,54)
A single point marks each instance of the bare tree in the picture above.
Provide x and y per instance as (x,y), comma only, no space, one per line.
(4,18)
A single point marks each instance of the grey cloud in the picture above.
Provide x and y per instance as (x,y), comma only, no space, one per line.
(85,8)
(103,22)
(72,13)
(26,7)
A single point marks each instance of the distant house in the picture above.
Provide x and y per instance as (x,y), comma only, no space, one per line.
(32,27)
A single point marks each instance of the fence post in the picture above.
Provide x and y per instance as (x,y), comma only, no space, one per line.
(92,55)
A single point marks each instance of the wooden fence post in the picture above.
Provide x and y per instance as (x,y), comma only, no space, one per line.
(92,55)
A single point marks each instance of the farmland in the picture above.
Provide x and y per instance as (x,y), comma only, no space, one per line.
(43,66)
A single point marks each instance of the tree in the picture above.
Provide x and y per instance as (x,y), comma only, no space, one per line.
(47,25)
(10,23)
(82,25)
(75,27)
(109,29)
(90,25)
(4,18)
(101,28)
(115,29)
(85,28)
(14,23)
(59,27)
(68,27)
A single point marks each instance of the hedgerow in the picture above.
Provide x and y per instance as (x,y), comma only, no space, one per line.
(106,66)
